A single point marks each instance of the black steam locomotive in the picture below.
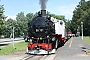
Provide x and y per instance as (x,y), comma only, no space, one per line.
(42,36)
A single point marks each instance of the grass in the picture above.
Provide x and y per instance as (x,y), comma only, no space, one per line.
(88,51)
(87,40)
(9,49)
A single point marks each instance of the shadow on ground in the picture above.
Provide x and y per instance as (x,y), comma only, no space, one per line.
(3,44)
(84,49)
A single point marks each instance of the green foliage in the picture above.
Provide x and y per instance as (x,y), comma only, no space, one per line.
(68,24)
(2,20)
(9,24)
(60,17)
(81,13)
(29,16)
(22,24)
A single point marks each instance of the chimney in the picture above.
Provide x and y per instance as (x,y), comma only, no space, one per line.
(43,12)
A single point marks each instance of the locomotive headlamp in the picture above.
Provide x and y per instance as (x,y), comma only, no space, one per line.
(47,36)
(40,38)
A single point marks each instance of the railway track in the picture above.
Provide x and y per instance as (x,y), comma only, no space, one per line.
(36,57)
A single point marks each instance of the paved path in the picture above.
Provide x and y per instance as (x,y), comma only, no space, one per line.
(7,41)
(74,49)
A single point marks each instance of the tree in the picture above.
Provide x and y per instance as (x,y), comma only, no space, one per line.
(2,20)
(60,17)
(81,13)
(29,16)
(10,23)
(22,24)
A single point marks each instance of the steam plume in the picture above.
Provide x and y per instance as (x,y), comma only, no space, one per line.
(43,4)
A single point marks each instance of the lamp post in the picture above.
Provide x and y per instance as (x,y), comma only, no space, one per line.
(82,29)
(13,38)
(12,34)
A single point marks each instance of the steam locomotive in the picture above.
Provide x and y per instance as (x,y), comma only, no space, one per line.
(45,34)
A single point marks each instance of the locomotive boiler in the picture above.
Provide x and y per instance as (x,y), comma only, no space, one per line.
(45,34)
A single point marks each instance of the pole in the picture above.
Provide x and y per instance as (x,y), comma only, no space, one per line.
(13,38)
(82,29)
(82,32)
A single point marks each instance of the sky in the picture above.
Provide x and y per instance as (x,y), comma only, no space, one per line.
(58,7)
